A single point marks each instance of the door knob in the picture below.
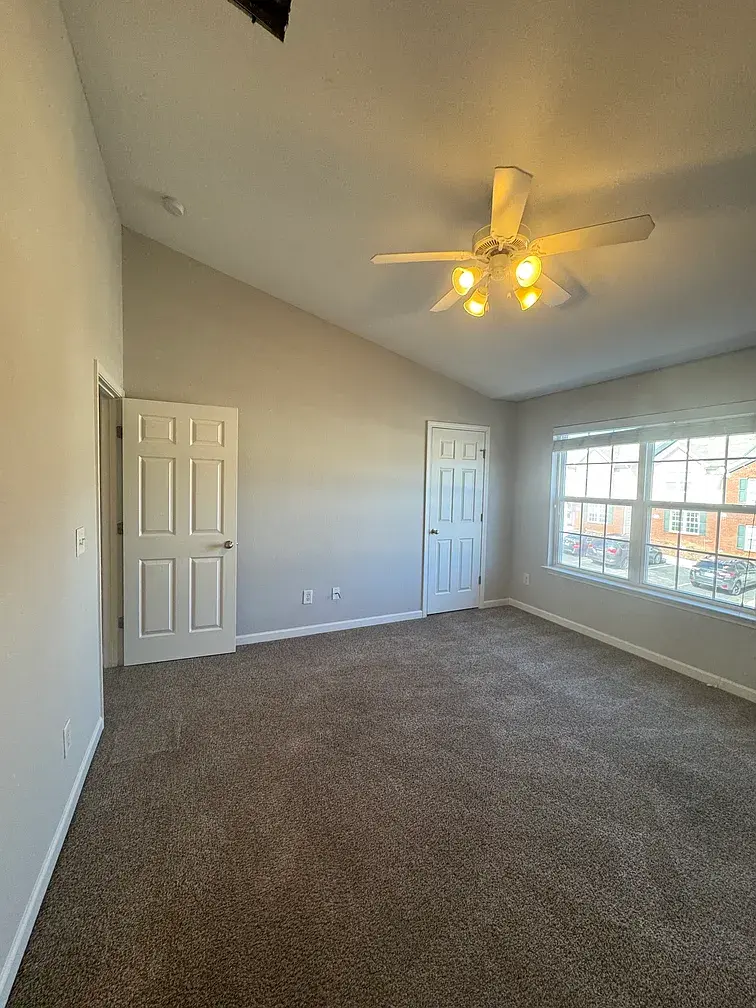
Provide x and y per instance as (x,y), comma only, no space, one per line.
(433,532)
(228,544)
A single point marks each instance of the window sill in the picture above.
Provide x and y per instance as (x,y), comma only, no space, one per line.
(708,609)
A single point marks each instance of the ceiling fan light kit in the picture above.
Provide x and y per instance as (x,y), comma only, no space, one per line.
(504,252)
(527,296)
(477,304)
(464,278)
(528,270)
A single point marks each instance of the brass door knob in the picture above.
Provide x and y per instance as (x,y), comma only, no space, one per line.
(433,532)
(228,544)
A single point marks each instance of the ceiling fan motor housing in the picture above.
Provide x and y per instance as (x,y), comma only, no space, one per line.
(485,245)
(500,265)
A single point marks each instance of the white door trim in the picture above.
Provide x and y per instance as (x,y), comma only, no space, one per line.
(429,426)
(103,382)
(110,387)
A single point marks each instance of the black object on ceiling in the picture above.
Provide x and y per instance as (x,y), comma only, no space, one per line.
(273,15)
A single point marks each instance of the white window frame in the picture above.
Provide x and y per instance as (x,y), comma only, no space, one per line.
(642,508)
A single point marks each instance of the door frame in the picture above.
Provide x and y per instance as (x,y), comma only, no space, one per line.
(109,546)
(429,427)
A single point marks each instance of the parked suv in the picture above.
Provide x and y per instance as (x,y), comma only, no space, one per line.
(732,576)
(616,553)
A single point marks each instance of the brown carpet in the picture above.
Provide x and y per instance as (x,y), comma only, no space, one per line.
(479,810)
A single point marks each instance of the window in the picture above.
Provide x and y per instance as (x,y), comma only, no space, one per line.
(683,521)
(665,506)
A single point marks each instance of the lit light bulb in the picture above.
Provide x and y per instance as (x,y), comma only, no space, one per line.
(527,296)
(477,304)
(528,270)
(465,277)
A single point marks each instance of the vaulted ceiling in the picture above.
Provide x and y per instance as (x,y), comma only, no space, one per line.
(376,127)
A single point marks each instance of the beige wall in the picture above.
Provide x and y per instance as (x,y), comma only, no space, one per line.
(59,309)
(332,439)
(715,645)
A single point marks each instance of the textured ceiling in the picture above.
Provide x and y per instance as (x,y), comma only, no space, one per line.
(376,127)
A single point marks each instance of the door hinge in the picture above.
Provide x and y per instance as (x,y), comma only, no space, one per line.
(481,516)
(480,579)
(483,452)
(119,528)
(120,622)
(119,431)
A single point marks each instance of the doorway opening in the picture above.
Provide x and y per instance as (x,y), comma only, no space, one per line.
(110,527)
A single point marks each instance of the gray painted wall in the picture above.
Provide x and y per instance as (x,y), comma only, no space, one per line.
(60,308)
(706,642)
(331,433)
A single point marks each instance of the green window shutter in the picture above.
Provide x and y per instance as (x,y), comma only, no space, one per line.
(667,521)
(742,491)
(741,537)
(609,514)
(702,522)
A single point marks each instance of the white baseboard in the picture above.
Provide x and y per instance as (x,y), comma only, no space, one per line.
(318,628)
(746,692)
(18,945)
(493,603)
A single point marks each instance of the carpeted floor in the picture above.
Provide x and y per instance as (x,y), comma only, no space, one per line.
(479,810)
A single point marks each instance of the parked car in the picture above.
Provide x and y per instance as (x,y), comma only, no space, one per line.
(616,553)
(571,545)
(731,575)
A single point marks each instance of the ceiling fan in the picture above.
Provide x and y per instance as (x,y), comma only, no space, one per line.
(504,251)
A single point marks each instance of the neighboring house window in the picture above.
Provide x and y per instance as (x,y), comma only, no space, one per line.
(666,511)
(684,521)
(747,491)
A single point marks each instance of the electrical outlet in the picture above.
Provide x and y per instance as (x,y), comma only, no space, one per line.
(335,594)
(307,595)
(66,738)
(526,579)
(81,540)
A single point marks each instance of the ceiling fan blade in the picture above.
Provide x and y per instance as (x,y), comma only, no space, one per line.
(631,229)
(553,295)
(511,188)
(447,301)
(408,257)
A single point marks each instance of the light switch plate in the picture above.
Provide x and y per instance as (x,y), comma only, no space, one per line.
(81,540)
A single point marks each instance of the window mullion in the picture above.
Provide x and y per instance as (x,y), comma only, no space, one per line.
(557,496)
(640,517)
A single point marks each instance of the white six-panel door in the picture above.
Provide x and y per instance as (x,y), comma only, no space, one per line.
(454,518)
(179,530)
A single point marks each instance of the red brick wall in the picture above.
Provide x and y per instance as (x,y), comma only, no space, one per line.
(733,481)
